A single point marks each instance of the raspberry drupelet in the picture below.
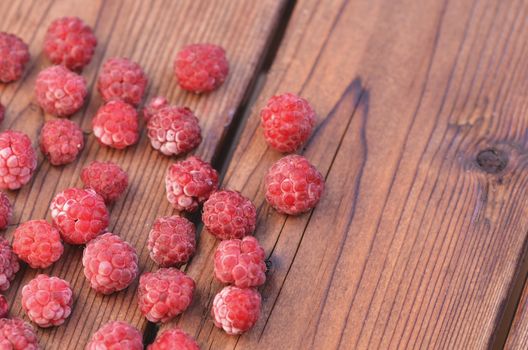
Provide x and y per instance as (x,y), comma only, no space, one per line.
(228,215)
(105,178)
(4,307)
(37,243)
(116,335)
(116,125)
(122,79)
(6,210)
(70,42)
(18,160)
(164,294)
(59,91)
(172,241)
(236,310)
(189,183)
(172,339)
(16,334)
(153,106)
(240,262)
(47,300)
(293,185)
(14,54)
(110,263)
(201,67)
(9,265)
(61,141)
(79,214)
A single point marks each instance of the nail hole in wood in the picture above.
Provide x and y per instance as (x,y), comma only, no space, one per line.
(492,160)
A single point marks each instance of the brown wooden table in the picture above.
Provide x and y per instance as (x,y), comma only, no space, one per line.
(420,239)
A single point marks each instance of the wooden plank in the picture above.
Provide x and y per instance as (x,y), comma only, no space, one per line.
(415,243)
(518,335)
(149,32)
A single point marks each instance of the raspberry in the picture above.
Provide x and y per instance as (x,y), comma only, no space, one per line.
(37,243)
(14,54)
(4,307)
(8,264)
(116,335)
(174,339)
(154,105)
(79,214)
(172,241)
(70,42)
(15,334)
(116,125)
(174,130)
(228,215)
(59,91)
(110,263)
(122,79)
(288,121)
(47,300)
(201,67)
(164,294)
(18,160)
(6,211)
(189,183)
(105,178)
(293,185)
(61,140)
(241,262)
(236,310)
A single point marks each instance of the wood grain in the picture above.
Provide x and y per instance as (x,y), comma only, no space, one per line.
(149,32)
(518,335)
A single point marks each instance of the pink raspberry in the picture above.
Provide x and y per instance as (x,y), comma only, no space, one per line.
(79,214)
(116,335)
(18,160)
(228,214)
(4,308)
(189,183)
(171,241)
(201,67)
(110,263)
(172,339)
(288,121)
(240,262)
(8,264)
(293,185)
(61,140)
(14,54)
(105,178)
(47,300)
(236,310)
(6,210)
(37,243)
(59,91)
(122,79)
(15,334)
(116,125)
(70,42)
(164,294)
(154,105)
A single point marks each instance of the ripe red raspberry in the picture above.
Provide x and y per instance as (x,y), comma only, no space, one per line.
(105,178)
(171,241)
(14,54)
(47,300)
(110,263)
(116,125)
(37,243)
(228,214)
(61,140)
(174,130)
(201,67)
(8,264)
(59,91)
(70,42)
(288,121)
(236,310)
(164,294)
(79,214)
(174,339)
(15,334)
(189,183)
(293,185)
(6,210)
(18,160)
(122,79)
(116,335)
(153,106)
(240,262)
(4,308)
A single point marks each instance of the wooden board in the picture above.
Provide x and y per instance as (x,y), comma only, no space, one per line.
(518,334)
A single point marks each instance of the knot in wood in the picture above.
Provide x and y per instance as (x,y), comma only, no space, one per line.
(492,160)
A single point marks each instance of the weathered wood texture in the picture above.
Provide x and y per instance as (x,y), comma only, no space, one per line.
(149,32)
(518,335)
